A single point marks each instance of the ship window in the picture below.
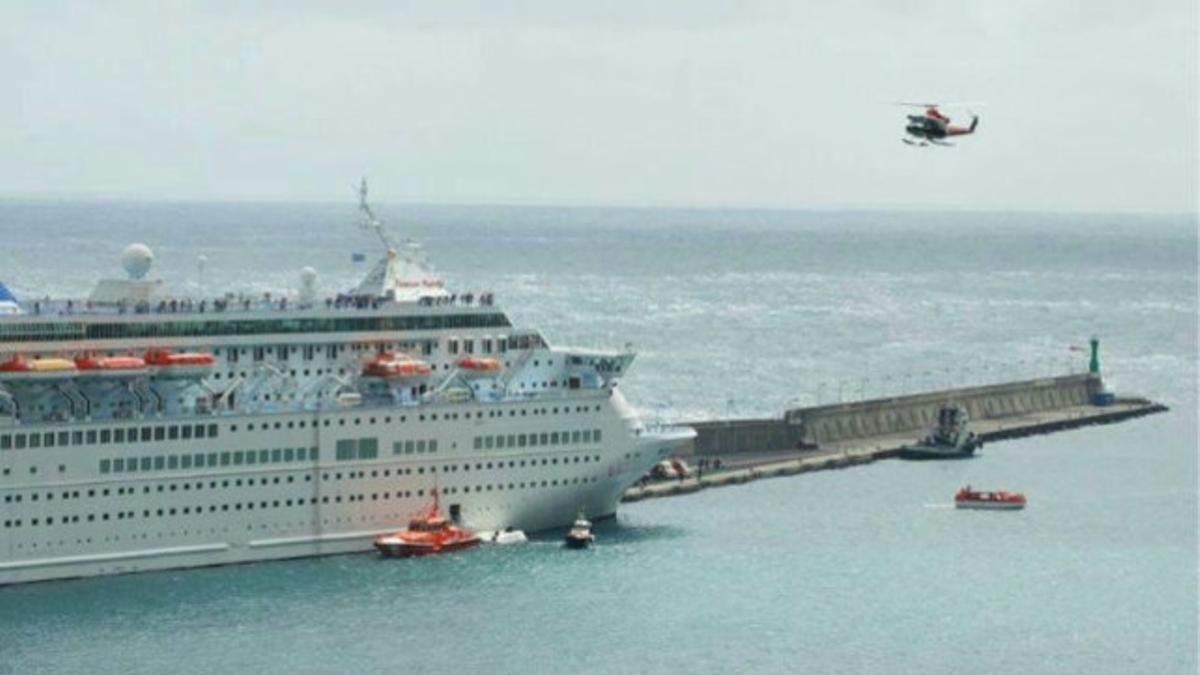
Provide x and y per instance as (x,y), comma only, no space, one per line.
(6,442)
(199,431)
(587,436)
(186,431)
(64,437)
(118,435)
(478,442)
(147,462)
(185,462)
(289,455)
(500,442)
(368,448)
(105,436)
(173,432)
(521,440)
(596,435)
(105,465)
(420,446)
(77,437)
(160,433)
(198,460)
(554,438)
(544,439)
(433,445)
(118,465)
(264,456)
(277,455)
(173,463)
(489,442)
(212,431)
(146,433)
(160,463)
(237,457)
(575,436)
(452,345)
(225,459)
(533,440)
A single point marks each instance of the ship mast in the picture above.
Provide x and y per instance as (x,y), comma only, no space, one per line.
(370,221)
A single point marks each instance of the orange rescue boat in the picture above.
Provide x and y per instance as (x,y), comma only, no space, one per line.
(427,534)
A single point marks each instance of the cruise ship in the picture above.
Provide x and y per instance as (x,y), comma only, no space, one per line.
(143,431)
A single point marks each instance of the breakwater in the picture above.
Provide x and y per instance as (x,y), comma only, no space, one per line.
(848,434)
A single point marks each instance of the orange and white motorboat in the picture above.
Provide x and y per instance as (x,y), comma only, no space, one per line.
(998,500)
(110,365)
(428,533)
(473,365)
(19,367)
(396,366)
(181,364)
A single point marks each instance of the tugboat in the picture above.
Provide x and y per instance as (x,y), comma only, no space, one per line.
(950,439)
(998,500)
(427,534)
(580,535)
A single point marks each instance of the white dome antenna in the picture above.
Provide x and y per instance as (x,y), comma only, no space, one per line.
(137,259)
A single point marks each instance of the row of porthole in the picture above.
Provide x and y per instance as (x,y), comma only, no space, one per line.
(301,501)
(431,417)
(250,482)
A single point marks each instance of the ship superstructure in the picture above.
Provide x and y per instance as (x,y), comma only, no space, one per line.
(141,431)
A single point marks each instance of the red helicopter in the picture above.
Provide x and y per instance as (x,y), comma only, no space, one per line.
(933,127)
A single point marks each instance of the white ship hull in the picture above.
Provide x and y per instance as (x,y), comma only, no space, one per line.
(78,521)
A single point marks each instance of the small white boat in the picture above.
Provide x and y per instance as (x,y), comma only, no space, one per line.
(580,535)
(504,537)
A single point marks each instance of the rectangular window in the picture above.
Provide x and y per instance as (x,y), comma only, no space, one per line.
(160,433)
(521,440)
(48,439)
(397,447)
(433,445)
(587,436)
(575,436)
(118,435)
(160,463)
(489,442)
(225,459)
(512,440)
(368,448)
(212,431)
(238,456)
(173,462)
(251,456)
(544,438)
(105,465)
(344,450)
(421,446)
(314,454)
(199,460)
(131,465)
(533,440)
(478,442)
(289,455)
(147,432)
(409,446)
(553,438)
(596,435)
(264,456)
(300,453)
(76,438)
(147,462)
(91,437)
(173,432)
(106,435)
(277,455)
(6,442)
(199,431)
(186,431)
(118,465)
(500,442)
(212,459)
(185,462)
(35,440)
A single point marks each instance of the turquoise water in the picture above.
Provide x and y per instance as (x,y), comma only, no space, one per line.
(862,570)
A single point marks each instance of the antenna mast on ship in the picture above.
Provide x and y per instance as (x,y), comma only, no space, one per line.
(371,222)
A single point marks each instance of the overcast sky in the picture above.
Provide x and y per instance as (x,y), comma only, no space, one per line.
(1086,106)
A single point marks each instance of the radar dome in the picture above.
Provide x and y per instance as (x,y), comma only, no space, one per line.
(136,260)
(308,285)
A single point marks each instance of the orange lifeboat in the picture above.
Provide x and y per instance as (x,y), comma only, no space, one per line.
(480,366)
(183,364)
(1000,500)
(18,368)
(110,365)
(396,366)
(427,534)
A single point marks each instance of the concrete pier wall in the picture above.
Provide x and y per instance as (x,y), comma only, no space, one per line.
(841,422)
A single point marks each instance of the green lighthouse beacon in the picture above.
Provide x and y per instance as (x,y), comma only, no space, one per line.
(1094,363)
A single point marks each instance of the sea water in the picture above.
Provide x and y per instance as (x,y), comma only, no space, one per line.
(732,313)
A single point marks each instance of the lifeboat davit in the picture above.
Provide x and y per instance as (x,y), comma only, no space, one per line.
(480,366)
(427,534)
(396,366)
(183,364)
(997,500)
(21,368)
(110,365)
